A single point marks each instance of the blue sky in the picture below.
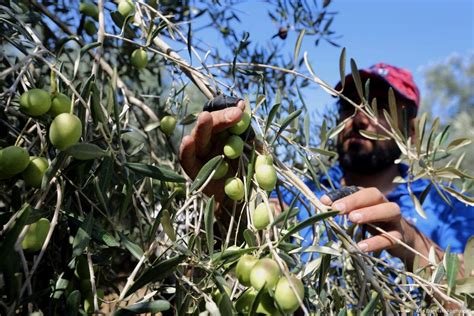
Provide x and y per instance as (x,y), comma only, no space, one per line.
(408,33)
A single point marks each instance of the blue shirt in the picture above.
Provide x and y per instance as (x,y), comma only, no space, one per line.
(446,225)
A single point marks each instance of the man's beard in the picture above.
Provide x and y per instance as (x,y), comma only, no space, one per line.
(359,160)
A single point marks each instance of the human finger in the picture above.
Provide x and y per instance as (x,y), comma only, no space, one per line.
(360,199)
(384,212)
(202,133)
(226,118)
(187,156)
(380,242)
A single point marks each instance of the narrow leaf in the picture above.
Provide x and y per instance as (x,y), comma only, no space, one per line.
(287,122)
(458,143)
(86,151)
(209,224)
(250,238)
(271,116)
(308,222)
(342,67)
(156,273)
(225,304)
(392,103)
(333,132)
(373,135)
(452,266)
(299,41)
(134,249)
(461,197)
(155,172)
(416,202)
(205,172)
(306,129)
(149,307)
(357,80)
(83,236)
(372,305)
(73,301)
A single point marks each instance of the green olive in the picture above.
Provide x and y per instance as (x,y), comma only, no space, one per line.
(221,170)
(139,58)
(60,103)
(89,9)
(266,177)
(13,160)
(263,160)
(35,102)
(126,8)
(233,147)
(90,28)
(261,216)
(243,268)
(234,189)
(36,235)
(168,124)
(285,296)
(266,305)
(33,174)
(65,131)
(242,125)
(265,274)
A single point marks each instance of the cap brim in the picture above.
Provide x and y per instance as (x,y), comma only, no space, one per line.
(364,74)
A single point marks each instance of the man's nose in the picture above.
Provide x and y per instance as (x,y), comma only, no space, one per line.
(360,119)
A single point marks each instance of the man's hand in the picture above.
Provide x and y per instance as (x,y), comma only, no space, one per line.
(204,143)
(369,205)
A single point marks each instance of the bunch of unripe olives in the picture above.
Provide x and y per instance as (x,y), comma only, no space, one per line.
(65,130)
(265,173)
(264,274)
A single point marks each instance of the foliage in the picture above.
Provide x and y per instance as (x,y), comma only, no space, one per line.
(449,93)
(129,231)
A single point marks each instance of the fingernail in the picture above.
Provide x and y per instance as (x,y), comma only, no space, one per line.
(232,113)
(325,199)
(363,246)
(341,207)
(355,217)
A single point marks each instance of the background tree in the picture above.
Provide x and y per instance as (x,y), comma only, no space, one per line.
(451,98)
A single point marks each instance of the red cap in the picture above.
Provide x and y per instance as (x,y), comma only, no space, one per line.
(401,80)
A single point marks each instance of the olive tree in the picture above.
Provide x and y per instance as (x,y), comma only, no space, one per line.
(97,214)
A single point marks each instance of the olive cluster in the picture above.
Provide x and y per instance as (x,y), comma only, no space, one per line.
(65,130)
(265,173)
(279,292)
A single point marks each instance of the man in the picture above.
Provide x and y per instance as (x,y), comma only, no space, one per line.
(364,163)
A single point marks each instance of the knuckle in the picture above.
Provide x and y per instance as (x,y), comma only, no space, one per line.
(374,192)
(395,207)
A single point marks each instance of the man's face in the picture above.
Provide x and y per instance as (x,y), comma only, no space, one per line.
(357,153)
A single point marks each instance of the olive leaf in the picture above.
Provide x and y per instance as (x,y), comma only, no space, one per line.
(205,172)
(155,172)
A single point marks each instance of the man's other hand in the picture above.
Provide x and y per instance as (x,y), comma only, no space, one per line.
(369,205)
(204,143)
